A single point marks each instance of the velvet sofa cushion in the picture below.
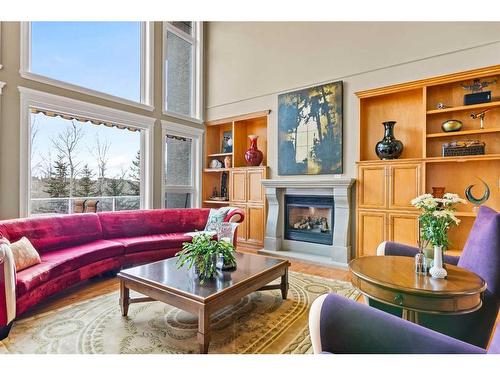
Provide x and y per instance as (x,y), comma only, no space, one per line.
(143,257)
(144,222)
(481,253)
(58,262)
(54,232)
(153,242)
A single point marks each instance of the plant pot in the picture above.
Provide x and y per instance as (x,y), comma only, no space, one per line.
(437,271)
(438,191)
(207,272)
(389,147)
(253,156)
(224,265)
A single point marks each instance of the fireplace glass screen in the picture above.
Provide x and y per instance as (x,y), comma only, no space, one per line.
(309,218)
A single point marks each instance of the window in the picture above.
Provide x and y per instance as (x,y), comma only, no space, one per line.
(99,58)
(78,154)
(181,149)
(1,66)
(182,70)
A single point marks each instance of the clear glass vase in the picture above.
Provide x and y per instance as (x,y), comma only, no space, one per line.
(420,263)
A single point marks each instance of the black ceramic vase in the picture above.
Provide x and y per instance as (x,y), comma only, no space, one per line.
(389,147)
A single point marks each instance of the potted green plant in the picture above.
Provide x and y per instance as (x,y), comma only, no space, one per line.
(204,253)
(436,218)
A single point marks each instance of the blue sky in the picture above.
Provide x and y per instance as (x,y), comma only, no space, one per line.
(103,56)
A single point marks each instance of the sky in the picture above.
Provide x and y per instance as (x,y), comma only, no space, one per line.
(103,56)
(124,144)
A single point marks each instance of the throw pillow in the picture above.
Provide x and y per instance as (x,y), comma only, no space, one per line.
(25,255)
(215,217)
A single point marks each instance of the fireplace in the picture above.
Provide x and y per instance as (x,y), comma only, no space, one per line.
(309,218)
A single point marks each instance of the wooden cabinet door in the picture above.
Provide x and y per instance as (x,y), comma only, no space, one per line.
(372,187)
(255,187)
(371,231)
(243,227)
(255,225)
(403,228)
(238,186)
(405,183)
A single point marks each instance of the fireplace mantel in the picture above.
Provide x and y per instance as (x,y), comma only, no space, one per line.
(340,252)
(308,183)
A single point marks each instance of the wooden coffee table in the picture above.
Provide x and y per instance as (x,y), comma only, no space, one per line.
(393,281)
(163,281)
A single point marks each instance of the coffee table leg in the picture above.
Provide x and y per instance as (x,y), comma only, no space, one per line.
(124,298)
(203,330)
(284,284)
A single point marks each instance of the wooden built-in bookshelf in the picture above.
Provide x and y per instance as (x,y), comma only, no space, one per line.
(244,182)
(385,187)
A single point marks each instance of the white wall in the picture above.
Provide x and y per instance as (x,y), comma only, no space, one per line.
(249,63)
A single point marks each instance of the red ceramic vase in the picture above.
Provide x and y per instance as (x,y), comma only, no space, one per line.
(253,156)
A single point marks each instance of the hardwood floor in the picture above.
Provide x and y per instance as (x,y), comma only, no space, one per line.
(107,284)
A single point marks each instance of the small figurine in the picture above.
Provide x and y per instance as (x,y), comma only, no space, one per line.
(477,201)
(479,116)
(477,85)
(442,106)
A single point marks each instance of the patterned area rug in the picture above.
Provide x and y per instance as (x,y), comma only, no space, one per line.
(260,323)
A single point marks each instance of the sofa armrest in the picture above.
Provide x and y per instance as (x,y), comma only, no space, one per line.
(399,249)
(396,249)
(7,285)
(342,326)
(235,215)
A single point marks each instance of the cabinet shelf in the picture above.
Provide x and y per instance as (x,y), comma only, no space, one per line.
(220,155)
(465,214)
(463,132)
(459,159)
(464,108)
(215,202)
(216,170)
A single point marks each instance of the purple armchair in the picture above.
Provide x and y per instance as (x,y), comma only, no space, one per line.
(481,255)
(341,326)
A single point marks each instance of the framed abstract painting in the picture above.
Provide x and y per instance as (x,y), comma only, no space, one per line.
(310,130)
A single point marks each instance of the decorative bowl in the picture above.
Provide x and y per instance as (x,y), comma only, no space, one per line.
(451,126)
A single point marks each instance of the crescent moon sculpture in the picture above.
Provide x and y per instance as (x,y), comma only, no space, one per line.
(477,201)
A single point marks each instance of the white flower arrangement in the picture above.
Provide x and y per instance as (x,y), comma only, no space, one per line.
(438,215)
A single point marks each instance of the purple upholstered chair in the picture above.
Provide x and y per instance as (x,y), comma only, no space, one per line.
(481,255)
(341,326)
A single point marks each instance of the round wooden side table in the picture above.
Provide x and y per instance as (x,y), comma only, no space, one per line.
(392,280)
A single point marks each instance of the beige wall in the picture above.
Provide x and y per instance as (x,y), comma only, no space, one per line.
(249,64)
(10,112)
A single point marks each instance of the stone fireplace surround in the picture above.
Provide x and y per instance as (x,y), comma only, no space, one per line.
(338,254)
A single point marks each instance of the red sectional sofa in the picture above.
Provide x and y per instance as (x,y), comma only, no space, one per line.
(76,247)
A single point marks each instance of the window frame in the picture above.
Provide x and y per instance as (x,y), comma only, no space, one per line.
(39,99)
(196,135)
(147,69)
(1,66)
(196,41)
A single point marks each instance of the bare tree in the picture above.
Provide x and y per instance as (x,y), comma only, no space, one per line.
(101,154)
(46,165)
(33,133)
(66,144)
